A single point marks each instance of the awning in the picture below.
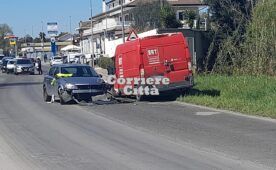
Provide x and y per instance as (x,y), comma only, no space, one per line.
(70,48)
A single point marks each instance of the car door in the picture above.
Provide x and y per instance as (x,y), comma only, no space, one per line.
(49,80)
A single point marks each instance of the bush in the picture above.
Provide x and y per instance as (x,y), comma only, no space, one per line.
(260,46)
(105,62)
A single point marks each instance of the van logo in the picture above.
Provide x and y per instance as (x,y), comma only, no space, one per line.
(153,56)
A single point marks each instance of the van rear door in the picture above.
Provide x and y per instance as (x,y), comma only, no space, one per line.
(166,56)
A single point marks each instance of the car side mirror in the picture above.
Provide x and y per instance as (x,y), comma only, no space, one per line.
(101,75)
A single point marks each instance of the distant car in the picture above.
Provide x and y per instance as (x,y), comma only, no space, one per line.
(11,65)
(4,64)
(24,66)
(72,81)
(56,61)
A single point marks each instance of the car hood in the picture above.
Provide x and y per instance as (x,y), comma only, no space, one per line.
(83,80)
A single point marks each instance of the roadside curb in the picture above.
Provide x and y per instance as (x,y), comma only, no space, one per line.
(227,112)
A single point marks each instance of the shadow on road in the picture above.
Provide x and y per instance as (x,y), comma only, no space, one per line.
(174,95)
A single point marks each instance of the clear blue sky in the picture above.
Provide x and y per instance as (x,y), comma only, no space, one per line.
(21,15)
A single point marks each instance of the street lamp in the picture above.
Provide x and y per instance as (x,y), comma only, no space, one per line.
(42,38)
(92,41)
(123,22)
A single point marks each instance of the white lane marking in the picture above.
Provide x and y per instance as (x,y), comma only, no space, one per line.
(206,113)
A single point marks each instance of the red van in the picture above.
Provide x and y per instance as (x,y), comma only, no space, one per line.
(160,56)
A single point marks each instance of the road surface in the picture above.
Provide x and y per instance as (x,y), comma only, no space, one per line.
(146,135)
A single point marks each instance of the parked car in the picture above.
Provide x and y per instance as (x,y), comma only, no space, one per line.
(4,64)
(11,65)
(24,66)
(56,60)
(72,82)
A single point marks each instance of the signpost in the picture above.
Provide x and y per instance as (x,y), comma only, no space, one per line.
(53,46)
(52,28)
(132,36)
(12,40)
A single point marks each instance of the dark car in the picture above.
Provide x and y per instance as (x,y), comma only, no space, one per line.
(24,66)
(72,82)
(4,63)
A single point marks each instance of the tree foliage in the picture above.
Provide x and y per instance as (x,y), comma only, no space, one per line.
(148,15)
(191,15)
(167,17)
(42,36)
(228,21)
(244,40)
(4,31)
(259,49)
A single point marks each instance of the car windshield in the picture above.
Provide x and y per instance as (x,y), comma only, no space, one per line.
(11,62)
(57,58)
(5,61)
(79,71)
(24,62)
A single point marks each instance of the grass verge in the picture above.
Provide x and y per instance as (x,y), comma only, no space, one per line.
(246,94)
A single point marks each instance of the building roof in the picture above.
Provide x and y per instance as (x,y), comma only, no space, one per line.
(66,37)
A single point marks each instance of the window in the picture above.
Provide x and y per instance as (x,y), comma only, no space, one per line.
(181,15)
(79,71)
(11,62)
(24,62)
(51,71)
(56,71)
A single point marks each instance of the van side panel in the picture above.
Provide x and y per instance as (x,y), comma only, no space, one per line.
(127,62)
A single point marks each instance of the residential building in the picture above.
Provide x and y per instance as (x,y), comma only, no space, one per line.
(107,26)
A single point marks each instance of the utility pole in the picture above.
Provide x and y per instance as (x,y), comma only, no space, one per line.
(92,41)
(123,22)
(32,31)
(105,32)
(42,39)
(70,25)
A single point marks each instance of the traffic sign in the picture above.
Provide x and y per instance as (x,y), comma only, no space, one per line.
(132,36)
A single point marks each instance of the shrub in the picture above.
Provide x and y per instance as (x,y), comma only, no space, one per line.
(105,62)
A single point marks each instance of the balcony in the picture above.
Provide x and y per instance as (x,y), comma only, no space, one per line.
(109,24)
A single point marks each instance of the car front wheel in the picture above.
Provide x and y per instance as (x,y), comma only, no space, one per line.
(61,100)
(46,97)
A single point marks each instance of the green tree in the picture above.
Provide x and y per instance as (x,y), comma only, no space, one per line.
(42,36)
(148,15)
(167,17)
(4,31)
(191,15)
(259,48)
(228,26)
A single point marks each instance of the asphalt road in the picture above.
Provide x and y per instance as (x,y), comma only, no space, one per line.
(147,135)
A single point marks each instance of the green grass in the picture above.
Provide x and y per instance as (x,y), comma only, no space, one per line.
(246,94)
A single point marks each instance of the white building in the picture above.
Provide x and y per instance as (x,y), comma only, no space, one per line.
(107,26)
